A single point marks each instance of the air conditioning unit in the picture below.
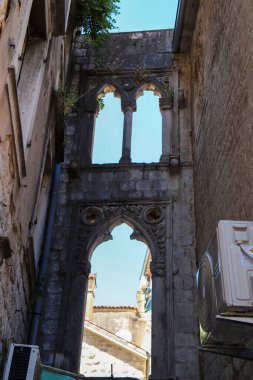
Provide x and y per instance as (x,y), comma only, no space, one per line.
(225,285)
(23,363)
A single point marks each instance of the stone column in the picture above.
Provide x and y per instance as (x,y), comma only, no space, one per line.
(159,322)
(75,323)
(166,108)
(128,108)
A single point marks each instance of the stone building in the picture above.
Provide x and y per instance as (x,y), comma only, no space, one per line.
(118,336)
(215,37)
(34,55)
(202,73)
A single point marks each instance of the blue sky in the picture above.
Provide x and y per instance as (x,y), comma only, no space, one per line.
(118,262)
(118,265)
(146,15)
(146,133)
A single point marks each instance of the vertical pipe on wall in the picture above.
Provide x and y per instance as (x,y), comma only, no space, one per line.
(45,257)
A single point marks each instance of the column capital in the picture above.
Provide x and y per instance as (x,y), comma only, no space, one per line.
(166,103)
(128,105)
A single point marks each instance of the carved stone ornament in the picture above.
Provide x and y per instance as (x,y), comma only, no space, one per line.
(128,104)
(128,84)
(157,268)
(153,214)
(91,216)
(94,219)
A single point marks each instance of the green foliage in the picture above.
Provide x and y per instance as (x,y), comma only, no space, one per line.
(101,104)
(96,17)
(66,99)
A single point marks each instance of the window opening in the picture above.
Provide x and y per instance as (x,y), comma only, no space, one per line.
(108,132)
(117,329)
(147,129)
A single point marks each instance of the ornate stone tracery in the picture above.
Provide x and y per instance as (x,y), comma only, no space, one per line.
(97,222)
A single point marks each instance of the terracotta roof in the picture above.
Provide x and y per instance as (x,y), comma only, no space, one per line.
(114,307)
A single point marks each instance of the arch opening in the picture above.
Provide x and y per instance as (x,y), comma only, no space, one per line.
(147,126)
(109,127)
(117,329)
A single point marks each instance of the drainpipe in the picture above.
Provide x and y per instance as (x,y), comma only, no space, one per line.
(37,308)
(179,25)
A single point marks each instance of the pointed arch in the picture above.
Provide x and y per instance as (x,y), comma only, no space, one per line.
(103,233)
(148,85)
(106,88)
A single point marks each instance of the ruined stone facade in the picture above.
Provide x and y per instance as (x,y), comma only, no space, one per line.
(156,200)
(205,89)
(32,63)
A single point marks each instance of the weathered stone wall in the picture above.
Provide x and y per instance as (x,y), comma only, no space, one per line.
(125,191)
(222,89)
(222,115)
(128,51)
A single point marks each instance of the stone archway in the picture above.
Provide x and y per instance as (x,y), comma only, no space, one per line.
(94,227)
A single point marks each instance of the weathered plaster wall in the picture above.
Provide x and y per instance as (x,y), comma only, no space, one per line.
(119,321)
(16,210)
(222,89)
(20,188)
(99,354)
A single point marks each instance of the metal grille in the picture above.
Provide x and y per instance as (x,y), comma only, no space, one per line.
(20,362)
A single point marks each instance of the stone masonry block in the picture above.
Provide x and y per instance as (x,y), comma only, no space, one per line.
(54,299)
(185,340)
(52,312)
(183,296)
(185,355)
(127,186)
(49,327)
(54,287)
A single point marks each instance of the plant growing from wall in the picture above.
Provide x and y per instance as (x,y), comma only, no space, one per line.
(96,17)
(101,104)
(68,97)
